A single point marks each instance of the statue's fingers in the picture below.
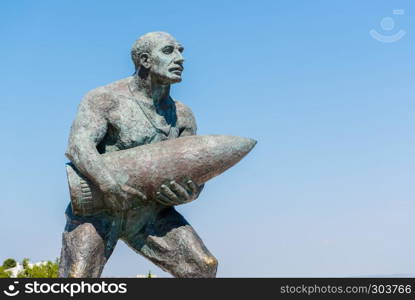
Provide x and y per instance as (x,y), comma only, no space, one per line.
(141,196)
(127,201)
(192,186)
(163,199)
(126,204)
(168,193)
(134,191)
(114,203)
(179,190)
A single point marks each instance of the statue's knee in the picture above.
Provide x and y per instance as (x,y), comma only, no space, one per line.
(204,266)
(83,253)
(211,262)
(208,265)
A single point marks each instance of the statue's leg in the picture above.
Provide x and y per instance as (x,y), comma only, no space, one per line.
(87,243)
(172,244)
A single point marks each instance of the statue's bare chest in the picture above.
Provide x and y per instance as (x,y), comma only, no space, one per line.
(132,124)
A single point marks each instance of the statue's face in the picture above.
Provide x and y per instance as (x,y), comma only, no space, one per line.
(167,60)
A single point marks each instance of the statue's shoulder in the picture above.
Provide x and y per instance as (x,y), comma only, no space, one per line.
(119,87)
(107,96)
(185,116)
(183,109)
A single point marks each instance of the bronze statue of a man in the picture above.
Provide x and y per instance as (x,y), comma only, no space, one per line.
(128,113)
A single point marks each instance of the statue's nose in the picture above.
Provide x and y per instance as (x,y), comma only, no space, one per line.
(179,58)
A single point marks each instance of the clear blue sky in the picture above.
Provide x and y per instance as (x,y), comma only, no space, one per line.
(329,189)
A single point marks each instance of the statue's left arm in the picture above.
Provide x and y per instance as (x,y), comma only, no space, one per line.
(189,128)
(187,121)
(178,193)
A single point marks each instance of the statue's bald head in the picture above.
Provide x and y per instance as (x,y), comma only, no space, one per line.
(146,43)
(158,56)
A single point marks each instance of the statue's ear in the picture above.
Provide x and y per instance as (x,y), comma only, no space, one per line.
(145,60)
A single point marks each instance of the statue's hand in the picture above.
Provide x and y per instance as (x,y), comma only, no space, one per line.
(121,197)
(175,194)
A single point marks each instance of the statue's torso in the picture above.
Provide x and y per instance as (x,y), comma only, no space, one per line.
(132,122)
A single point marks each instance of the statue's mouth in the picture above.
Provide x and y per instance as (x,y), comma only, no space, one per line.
(176,70)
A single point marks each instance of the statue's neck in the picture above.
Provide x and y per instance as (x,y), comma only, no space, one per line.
(158,93)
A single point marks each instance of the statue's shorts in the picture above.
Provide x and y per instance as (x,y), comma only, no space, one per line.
(155,231)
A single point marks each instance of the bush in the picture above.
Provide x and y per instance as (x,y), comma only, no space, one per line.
(25,263)
(3,273)
(46,270)
(9,263)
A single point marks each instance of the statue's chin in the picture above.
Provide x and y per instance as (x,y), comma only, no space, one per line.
(170,79)
(175,79)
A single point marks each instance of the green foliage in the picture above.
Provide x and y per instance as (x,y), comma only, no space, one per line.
(46,270)
(9,263)
(25,263)
(3,273)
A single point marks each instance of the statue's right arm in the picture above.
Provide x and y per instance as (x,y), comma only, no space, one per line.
(87,131)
